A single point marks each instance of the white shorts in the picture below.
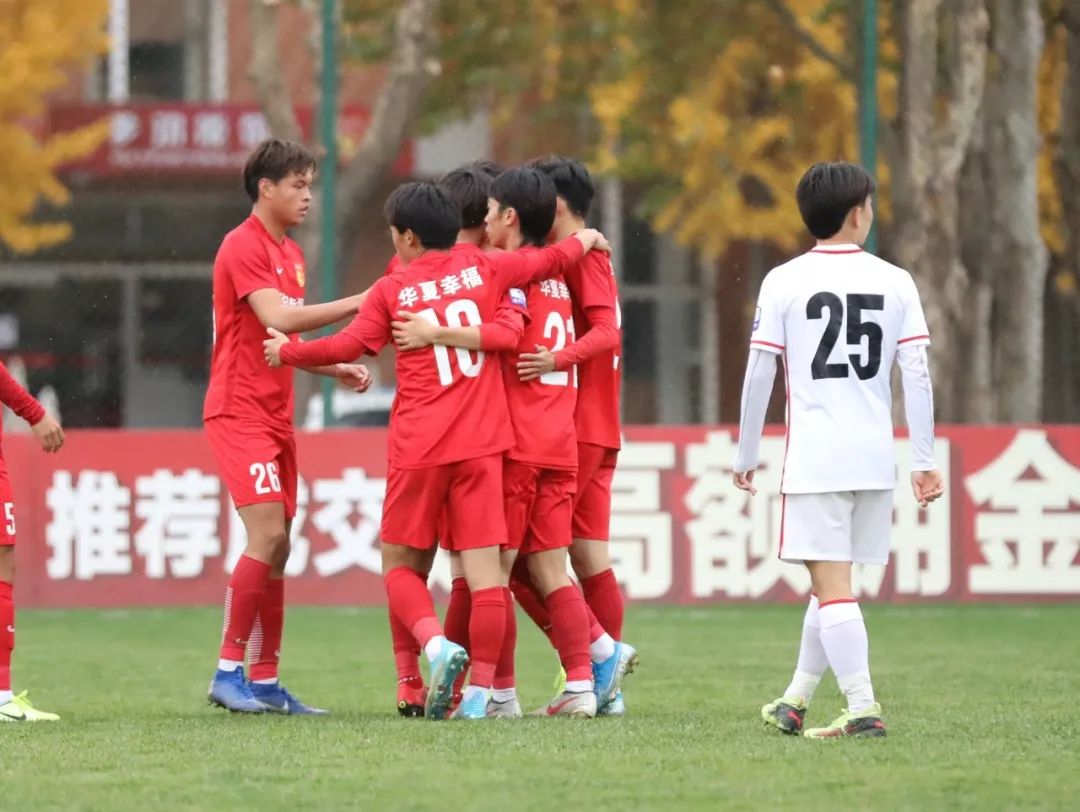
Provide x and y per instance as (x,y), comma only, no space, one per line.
(846,526)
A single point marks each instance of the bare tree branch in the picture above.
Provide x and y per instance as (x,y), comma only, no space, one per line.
(264,71)
(412,66)
(845,68)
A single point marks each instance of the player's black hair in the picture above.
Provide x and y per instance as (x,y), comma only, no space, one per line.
(572,180)
(828,192)
(275,159)
(427,210)
(531,194)
(468,187)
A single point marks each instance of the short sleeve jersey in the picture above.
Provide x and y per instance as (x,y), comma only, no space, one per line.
(592,284)
(241,383)
(542,410)
(838,315)
(450,403)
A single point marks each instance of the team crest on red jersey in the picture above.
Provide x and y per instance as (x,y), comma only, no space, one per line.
(299,274)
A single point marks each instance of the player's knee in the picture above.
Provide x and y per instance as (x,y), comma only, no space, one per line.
(589,557)
(7,564)
(548,573)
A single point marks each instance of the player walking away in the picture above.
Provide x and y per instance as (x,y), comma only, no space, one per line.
(539,474)
(259,278)
(840,318)
(449,427)
(596,354)
(16,707)
(468,187)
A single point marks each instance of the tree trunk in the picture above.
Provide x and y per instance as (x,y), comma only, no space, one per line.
(1016,254)
(926,173)
(1067,159)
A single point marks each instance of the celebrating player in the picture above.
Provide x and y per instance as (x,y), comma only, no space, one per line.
(449,427)
(467,187)
(17,708)
(539,475)
(840,318)
(259,278)
(596,417)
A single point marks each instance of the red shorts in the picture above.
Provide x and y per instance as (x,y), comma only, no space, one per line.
(7,509)
(470,494)
(592,504)
(539,506)
(257,461)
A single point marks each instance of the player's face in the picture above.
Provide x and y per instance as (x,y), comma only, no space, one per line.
(496,224)
(290,197)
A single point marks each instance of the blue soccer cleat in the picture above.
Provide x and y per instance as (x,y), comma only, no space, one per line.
(445,668)
(276,698)
(475,707)
(232,691)
(616,707)
(608,675)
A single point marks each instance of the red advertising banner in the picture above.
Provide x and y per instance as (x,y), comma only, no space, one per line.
(193,138)
(122,518)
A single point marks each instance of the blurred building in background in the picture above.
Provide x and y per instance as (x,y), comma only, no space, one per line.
(118,320)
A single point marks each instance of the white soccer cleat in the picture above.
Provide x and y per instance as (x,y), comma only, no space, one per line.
(581,705)
(510,709)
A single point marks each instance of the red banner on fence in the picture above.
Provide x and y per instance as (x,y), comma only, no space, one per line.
(123,518)
(194,138)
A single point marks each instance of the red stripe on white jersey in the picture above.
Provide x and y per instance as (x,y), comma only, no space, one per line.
(767,344)
(838,600)
(912,338)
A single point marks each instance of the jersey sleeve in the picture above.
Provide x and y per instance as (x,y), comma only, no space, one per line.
(504,333)
(768,333)
(519,269)
(249,268)
(913,329)
(18,399)
(603,335)
(366,334)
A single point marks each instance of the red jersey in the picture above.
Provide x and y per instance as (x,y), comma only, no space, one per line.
(18,400)
(598,317)
(450,403)
(542,411)
(241,384)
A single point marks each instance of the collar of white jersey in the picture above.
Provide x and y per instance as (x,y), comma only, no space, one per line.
(838,248)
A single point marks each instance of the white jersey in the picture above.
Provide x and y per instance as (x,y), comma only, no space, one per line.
(837,315)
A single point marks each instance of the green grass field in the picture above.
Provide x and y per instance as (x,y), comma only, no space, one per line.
(981,704)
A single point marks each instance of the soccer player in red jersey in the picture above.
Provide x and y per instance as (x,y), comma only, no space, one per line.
(259,278)
(449,426)
(539,474)
(17,708)
(596,355)
(468,187)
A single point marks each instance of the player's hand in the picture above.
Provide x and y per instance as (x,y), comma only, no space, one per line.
(412,332)
(593,240)
(272,346)
(745,481)
(531,365)
(353,376)
(928,486)
(48,431)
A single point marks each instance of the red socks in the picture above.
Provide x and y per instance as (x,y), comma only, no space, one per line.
(406,652)
(243,599)
(522,588)
(606,601)
(504,671)
(570,632)
(7,633)
(486,628)
(264,647)
(458,610)
(410,601)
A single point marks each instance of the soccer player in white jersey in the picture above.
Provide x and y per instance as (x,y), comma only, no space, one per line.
(840,318)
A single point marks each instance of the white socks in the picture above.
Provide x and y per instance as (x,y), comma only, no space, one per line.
(843,637)
(504,694)
(228,665)
(6,696)
(602,648)
(812,660)
(579,686)
(433,646)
